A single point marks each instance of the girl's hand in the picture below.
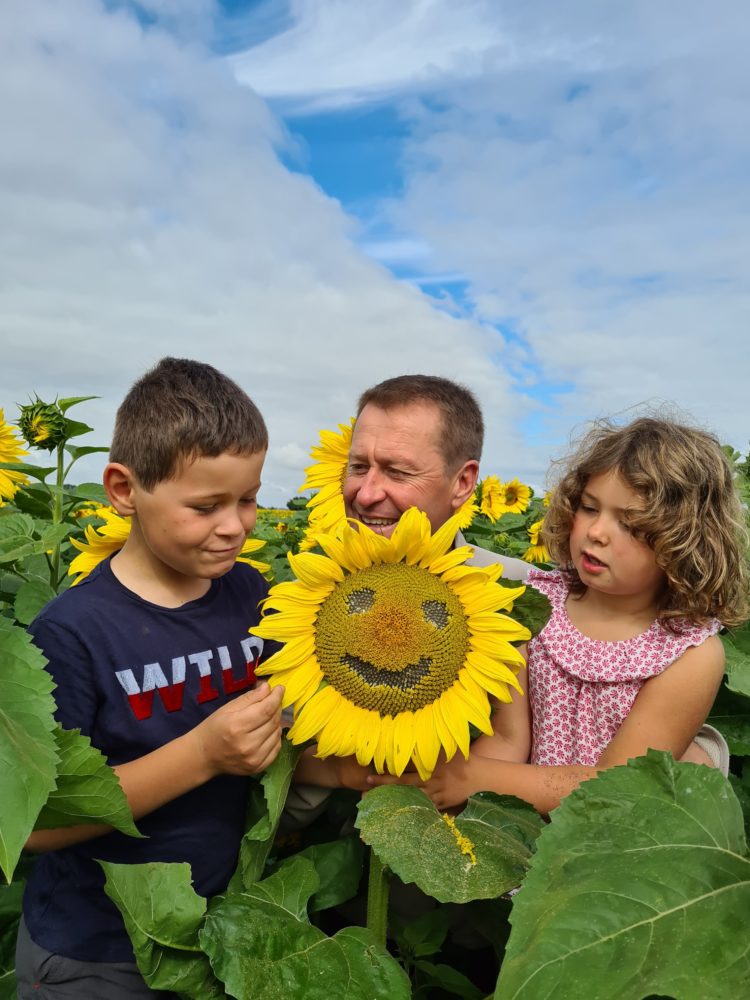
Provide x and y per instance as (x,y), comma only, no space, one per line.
(449,785)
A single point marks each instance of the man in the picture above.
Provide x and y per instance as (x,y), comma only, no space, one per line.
(417,442)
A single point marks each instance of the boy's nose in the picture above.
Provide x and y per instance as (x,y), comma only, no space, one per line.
(232,525)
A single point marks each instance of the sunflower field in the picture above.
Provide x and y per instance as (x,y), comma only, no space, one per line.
(637,886)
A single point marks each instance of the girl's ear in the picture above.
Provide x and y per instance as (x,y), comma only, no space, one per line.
(119,483)
(465,483)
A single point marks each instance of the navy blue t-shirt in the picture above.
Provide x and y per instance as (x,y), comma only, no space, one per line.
(133,676)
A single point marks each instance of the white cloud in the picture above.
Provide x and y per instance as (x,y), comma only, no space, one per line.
(145,212)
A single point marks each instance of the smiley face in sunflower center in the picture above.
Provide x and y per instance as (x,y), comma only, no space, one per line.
(392,638)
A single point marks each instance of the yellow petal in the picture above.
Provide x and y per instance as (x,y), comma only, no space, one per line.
(444,731)
(404,738)
(428,743)
(367,737)
(313,716)
(453,711)
(315,570)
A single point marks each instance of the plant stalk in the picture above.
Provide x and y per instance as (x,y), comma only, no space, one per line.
(57,511)
(378,887)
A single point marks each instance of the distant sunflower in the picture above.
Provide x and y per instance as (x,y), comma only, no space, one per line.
(515,497)
(327,477)
(10,451)
(492,497)
(536,552)
(105,539)
(392,645)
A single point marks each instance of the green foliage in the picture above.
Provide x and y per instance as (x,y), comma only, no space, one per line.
(639,870)
(419,845)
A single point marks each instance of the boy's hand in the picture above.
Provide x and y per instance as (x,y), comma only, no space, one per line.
(244,736)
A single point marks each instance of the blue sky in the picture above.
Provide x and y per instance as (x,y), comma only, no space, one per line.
(548,202)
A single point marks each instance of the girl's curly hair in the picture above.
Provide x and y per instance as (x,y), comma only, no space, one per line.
(692,516)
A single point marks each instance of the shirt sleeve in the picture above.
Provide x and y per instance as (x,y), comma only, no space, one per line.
(69,663)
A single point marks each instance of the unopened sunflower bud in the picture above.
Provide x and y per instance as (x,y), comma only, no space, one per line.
(42,425)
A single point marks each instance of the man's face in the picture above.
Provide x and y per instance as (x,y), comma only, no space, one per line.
(395,463)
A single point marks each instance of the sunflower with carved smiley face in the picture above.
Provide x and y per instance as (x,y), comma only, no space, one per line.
(392,645)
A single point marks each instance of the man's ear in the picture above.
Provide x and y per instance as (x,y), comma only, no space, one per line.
(119,484)
(465,482)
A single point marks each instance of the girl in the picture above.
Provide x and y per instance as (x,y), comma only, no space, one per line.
(648,532)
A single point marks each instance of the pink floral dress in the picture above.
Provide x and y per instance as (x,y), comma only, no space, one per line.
(582,689)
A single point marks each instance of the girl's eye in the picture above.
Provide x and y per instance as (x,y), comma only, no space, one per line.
(587,508)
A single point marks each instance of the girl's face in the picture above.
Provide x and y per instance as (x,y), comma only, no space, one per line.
(606,554)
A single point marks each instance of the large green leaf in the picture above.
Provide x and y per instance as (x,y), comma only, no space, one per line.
(32,595)
(731,715)
(640,886)
(290,887)
(34,471)
(10,915)
(418,843)
(88,790)
(28,760)
(22,536)
(260,949)
(338,864)
(737,650)
(265,805)
(163,914)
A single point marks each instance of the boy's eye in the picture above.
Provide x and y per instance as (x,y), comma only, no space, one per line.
(248,501)
(205,510)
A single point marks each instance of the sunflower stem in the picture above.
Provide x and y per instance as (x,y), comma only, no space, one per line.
(57,511)
(377,898)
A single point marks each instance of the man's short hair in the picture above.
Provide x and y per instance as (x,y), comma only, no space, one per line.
(461,435)
(179,410)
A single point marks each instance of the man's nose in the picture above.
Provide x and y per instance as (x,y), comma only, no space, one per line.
(371,488)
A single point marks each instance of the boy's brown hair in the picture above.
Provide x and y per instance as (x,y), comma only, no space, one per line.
(692,516)
(182,409)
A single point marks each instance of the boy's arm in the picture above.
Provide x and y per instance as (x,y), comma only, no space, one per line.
(241,737)
(331,772)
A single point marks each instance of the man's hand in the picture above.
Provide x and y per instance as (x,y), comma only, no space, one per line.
(244,736)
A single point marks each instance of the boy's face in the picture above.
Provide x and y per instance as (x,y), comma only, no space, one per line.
(197,522)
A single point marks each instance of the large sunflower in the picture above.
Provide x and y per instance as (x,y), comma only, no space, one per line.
(392,645)
(10,451)
(327,477)
(104,539)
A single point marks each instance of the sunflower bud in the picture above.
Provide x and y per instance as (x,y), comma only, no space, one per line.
(42,425)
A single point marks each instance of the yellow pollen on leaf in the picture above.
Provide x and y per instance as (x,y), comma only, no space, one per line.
(465,846)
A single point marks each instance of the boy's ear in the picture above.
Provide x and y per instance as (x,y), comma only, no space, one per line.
(119,484)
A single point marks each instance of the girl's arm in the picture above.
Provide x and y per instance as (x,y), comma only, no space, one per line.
(667,713)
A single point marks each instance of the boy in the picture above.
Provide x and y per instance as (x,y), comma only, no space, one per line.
(153,661)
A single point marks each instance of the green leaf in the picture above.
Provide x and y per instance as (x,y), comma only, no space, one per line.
(163,914)
(425,934)
(88,790)
(76,453)
(416,842)
(737,650)
(290,887)
(33,471)
(443,977)
(28,761)
(260,950)
(32,595)
(531,609)
(265,805)
(93,492)
(74,428)
(731,716)
(65,404)
(10,915)
(34,501)
(18,537)
(338,865)
(638,871)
